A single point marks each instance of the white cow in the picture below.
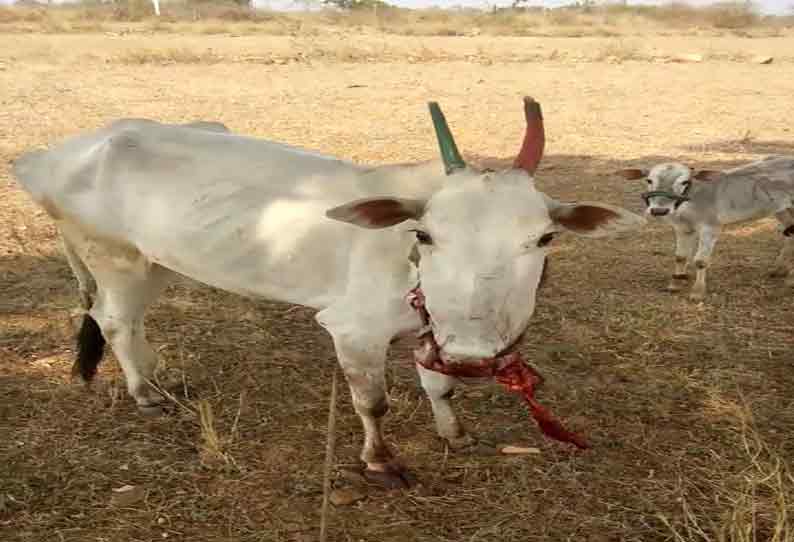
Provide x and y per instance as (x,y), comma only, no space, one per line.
(137,201)
(699,203)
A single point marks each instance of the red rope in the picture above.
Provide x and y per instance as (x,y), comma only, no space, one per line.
(509,370)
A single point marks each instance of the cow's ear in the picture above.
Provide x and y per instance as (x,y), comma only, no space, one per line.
(589,219)
(706,174)
(632,174)
(377,212)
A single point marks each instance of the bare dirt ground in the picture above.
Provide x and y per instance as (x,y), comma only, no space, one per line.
(690,406)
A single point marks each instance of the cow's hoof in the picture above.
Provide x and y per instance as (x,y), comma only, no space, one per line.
(778,273)
(673,287)
(466,441)
(697,296)
(389,476)
(152,410)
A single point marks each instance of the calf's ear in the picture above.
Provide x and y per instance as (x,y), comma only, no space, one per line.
(377,212)
(706,174)
(632,174)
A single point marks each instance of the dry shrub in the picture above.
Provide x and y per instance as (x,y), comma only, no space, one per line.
(619,50)
(169,56)
(50,24)
(159,26)
(564,17)
(131,10)
(87,27)
(214,29)
(721,15)
(227,16)
(211,450)
(732,16)
(13,14)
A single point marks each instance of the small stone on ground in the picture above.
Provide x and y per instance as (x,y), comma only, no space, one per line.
(345,497)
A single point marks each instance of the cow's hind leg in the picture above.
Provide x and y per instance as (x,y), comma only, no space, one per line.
(781,266)
(85,282)
(127,283)
(119,311)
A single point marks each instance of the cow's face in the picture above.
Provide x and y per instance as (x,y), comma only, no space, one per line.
(668,186)
(482,244)
(482,241)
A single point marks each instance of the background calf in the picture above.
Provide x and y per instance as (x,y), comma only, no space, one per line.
(699,203)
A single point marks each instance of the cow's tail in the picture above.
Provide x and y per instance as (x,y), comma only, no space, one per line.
(90,349)
(90,341)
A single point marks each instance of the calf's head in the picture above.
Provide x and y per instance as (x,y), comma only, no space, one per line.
(669,186)
(482,241)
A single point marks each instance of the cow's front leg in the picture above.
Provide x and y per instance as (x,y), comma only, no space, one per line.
(685,244)
(439,388)
(708,238)
(363,362)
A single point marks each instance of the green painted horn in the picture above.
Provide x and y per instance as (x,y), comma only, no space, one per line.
(449,151)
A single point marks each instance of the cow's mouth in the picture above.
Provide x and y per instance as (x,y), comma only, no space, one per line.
(508,368)
(677,199)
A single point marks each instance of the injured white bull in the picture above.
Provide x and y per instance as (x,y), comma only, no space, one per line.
(138,201)
(699,203)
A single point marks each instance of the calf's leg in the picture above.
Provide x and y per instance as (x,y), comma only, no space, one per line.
(685,244)
(708,238)
(781,266)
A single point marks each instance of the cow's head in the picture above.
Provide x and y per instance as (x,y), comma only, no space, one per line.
(482,241)
(669,185)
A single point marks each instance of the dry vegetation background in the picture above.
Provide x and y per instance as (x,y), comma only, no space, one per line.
(690,406)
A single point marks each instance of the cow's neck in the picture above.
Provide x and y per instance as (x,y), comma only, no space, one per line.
(418,180)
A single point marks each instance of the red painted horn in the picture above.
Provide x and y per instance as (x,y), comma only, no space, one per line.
(531,151)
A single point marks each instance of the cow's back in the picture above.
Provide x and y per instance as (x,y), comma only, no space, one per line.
(755,190)
(131,162)
(778,168)
(239,213)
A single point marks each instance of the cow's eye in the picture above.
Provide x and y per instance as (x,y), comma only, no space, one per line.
(649,181)
(423,237)
(545,239)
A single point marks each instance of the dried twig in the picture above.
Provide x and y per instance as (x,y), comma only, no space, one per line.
(329,457)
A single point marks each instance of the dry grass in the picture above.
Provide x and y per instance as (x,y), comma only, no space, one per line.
(757,500)
(620,50)
(689,406)
(169,56)
(228,17)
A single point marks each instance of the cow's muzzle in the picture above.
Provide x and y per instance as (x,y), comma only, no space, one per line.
(678,199)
